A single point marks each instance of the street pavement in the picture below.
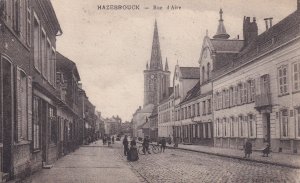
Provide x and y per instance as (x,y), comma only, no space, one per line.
(283,159)
(88,164)
(97,163)
(185,166)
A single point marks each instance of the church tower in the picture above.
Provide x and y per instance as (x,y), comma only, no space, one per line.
(156,79)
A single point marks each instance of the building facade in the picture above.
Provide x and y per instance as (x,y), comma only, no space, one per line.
(257,98)
(40,114)
(16,89)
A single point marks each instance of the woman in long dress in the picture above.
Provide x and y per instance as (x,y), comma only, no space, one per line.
(132,154)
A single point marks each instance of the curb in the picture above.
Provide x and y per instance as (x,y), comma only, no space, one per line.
(239,158)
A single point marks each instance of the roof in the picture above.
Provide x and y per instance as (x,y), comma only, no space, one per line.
(227,45)
(279,34)
(190,72)
(65,64)
(193,93)
(154,112)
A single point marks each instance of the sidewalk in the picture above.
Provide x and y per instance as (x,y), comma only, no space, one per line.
(90,163)
(287,160)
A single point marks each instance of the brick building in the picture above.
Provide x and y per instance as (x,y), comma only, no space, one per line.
(15,88)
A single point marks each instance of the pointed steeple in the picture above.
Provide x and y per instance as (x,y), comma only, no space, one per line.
(166,65)
(156,61)
(147,66)
(221,32)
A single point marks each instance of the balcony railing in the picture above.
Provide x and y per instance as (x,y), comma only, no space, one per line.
(263,100)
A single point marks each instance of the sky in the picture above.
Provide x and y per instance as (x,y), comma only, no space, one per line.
(111,47)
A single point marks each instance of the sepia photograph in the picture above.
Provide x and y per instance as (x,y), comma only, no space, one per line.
(156,91)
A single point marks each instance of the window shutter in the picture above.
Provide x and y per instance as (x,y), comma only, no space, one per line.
(29,108)
(257,86)
(19,105)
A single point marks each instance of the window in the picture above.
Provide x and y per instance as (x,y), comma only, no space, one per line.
(235,95)
(241,121)
(227,99)
(244,93)
(220,127)
(36,123)
(232,125)
(203,108)
(52,124)
(28,24)
(198,107)
(208,130)
(52,67)
(189,112)
(203,74)
(209,106)
(298,121)
(239,94)
(36,45)
(283,79)
(220,101)
(22,113)
(216,101)
(251,90)
(44,54)
(208,71)
(17,16)
(48,62)
(284,122)
(251,125)
(193,110)
(231,96)
(224,99)
(296,76)
(225,127)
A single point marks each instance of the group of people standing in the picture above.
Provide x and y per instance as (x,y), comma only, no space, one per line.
(108,140)
(131,153)
(248,149)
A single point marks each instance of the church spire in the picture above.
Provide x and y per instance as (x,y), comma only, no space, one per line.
(166,65)
(156,61)
(221,32)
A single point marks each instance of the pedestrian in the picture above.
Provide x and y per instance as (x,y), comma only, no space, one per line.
(108,141)
(163,144)
(113,139)
(125,144)
(146,145)
(133,153)
(175,142)
(266,150)
(248,148)
(169,140)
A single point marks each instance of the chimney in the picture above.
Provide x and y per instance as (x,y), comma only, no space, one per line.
(267,26)
(250,30)
(268,22)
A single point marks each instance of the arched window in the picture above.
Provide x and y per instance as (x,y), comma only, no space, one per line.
(208,71)
(203,74)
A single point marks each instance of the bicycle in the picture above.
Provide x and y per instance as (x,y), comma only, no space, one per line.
(155,149)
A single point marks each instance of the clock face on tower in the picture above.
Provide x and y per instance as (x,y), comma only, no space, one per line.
(152,76)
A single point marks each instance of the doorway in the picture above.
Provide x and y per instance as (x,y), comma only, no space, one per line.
(7,114)
(266,127)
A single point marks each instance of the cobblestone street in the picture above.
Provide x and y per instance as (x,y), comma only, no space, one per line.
(97,163)
(184,166)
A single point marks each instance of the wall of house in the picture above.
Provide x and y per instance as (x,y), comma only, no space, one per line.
(265,65)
